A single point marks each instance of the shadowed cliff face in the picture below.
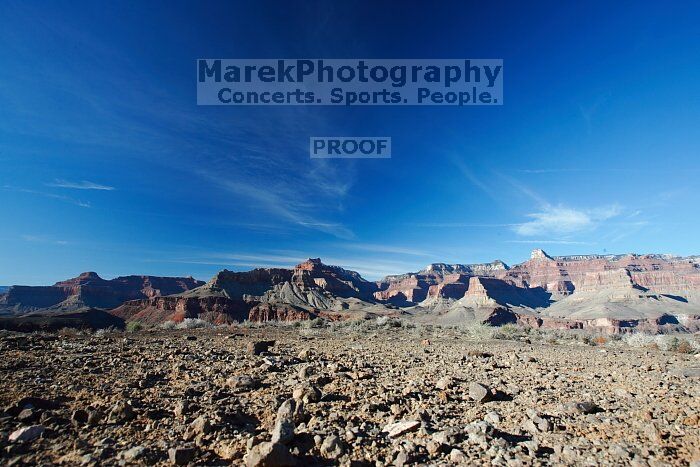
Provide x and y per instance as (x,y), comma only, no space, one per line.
(545,291)
(260,295)
(89,290)
(543,278)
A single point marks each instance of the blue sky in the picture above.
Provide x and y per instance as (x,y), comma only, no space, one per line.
(108,164)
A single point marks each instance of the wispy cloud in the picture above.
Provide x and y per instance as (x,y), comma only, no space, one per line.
(550,242)
(281,202)
(385,249)
(370,267)
(67,199)
(554,220)
(82,185)
(43,239)
(468,173)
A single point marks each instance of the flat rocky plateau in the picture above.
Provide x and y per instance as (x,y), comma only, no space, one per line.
(390,396)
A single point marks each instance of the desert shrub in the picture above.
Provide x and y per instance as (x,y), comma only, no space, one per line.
(638,339)
(315,323)
(685,347)
(386,321)
(507,332)
(68,332)
(248,324)
(382,320)
(479,331)
(677,344)
(194,323)
(169,325)
(133,326)
(600,340)
(104,332)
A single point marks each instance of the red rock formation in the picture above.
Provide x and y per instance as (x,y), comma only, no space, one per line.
(89,290)
(272,312)
(558,276)
(335,280)
(217,310)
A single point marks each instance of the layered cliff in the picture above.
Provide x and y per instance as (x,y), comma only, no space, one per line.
(304,292)
(608,291)
(89,290)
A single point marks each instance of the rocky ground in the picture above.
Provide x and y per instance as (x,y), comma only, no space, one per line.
(389,396)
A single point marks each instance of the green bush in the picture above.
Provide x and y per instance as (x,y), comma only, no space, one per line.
(133,326)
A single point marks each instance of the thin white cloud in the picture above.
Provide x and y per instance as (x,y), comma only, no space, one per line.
(550,242)
(82,185)
(283,202)
(558,220)
(67,199)
(42,239)
(460,225)
(387,249)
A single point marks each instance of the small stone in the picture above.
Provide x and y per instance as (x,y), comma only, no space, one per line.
(581,408)
(79,417)
(29,433)
(444,383)
(269,455)
(458,457)
(27,415)
(306,371)
(283,431)
(531,446)
(442,437)
(307,393)
(258,347)
(94,417)
(433,447)
(242,382)
(135,453)
(121,412)
(181,455)
(200,426)
(292,409)
(494,418)
(332,447)
(478,392)
(181,409)
(399,428)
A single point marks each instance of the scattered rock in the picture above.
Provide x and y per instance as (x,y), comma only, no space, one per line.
(493,418)
(332,447)
(397,429)
(258,347)
(458,457)
(135,453)
(291,409)
(181,455)
(200,426)
(479,392)
(79,417)
(242,382)
(182,408)
(307,393)
(26,434)
(444,383)
(122,412)
(283,431)
(269,455)
(581,408)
